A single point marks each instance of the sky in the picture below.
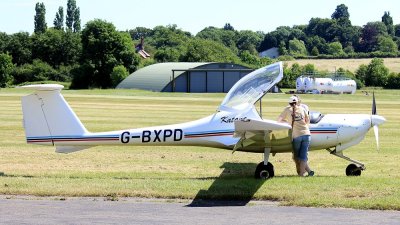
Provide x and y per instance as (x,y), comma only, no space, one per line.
(193,16)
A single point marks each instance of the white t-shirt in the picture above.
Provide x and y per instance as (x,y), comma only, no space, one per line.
(301,119)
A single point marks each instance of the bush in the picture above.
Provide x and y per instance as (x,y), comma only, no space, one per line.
(37,71)
(393,81)
(118,74)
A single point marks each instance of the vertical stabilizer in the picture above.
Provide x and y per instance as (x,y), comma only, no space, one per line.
(47,115)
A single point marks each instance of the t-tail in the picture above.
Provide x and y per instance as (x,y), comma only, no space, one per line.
(47,116)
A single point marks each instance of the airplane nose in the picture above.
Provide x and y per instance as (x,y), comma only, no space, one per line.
(377,120)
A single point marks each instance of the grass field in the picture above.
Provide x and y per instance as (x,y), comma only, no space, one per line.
(393,64)
(196,172)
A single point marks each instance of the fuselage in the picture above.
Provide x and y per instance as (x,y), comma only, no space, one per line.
(217,130)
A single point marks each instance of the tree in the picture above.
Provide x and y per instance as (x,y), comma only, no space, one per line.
(140,32)
(19,47)
(369,36)
(77,20)
(167,54)
(47,46)
(309,68)
(297,48)
(274,38)
(397,30)
(56,47)
(104,48)
(341,12)
(6,67)
(248,40)
(200,50)
(224,36)
(341,15)
(297,33)
(377,73)
(291,74)
(72,21)
(335,48)
(228,26)
(118,74)
(386,44)
(40,18)
(388,21)
(270,41)
(314,51)
(170,43)
(349,49)
(362,73)
(318,42)
(4,41)
(248,58)
(325,28)
(59,20)
(393,81)
(282,49)
(71,48)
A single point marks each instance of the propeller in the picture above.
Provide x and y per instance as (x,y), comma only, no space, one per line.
(376,120)
(376,132)
(373,104)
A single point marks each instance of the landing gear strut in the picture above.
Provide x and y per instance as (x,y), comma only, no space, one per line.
(353,169)
(265,169)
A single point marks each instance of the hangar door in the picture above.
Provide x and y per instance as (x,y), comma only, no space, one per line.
(212,81)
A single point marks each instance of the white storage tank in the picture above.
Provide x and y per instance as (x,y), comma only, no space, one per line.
(344,86)
(323,85)
(309,84)
(300,84)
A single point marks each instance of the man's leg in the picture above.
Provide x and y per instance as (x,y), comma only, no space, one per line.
(296,149)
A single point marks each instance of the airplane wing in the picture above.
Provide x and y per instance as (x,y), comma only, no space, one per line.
(256,135)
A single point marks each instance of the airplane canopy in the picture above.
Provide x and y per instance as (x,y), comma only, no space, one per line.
(252,87)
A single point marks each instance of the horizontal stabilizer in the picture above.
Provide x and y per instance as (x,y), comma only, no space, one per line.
(43,87)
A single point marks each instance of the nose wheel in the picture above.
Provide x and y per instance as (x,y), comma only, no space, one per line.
(353,170)
(264,171)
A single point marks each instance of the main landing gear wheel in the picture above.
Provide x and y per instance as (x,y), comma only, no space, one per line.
(353,170)
(264,171)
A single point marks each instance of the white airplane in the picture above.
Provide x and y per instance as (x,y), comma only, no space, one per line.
(236,125)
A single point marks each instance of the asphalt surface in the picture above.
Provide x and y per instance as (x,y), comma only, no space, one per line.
(57,210)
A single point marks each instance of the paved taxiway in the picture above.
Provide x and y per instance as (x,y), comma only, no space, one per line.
(55,210)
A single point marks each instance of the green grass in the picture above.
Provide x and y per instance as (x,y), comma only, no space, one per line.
(197,172)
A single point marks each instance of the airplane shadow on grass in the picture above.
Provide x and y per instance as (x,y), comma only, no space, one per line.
(235,186)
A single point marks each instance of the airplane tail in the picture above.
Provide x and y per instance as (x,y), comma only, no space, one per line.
(47,116)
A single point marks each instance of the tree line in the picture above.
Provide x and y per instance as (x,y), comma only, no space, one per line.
(336,37)
(100,56)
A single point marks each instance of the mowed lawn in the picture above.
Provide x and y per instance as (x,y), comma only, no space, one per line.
(197,172)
